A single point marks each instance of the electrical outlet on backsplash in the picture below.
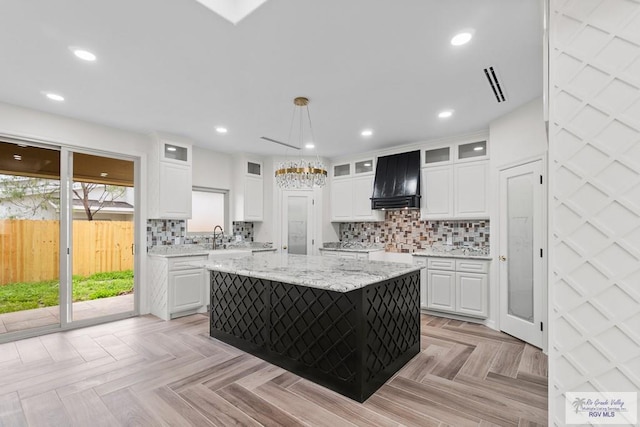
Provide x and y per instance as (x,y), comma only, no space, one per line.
(404,231)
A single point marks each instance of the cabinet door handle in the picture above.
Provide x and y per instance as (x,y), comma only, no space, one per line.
(502,258)
(284,247)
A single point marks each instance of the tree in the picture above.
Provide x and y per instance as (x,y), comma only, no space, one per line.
(30,195)
(33,196)
(108,194)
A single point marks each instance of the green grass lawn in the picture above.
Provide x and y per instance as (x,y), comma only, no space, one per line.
(25,296)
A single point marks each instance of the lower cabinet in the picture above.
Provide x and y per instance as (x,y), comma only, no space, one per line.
(441,290)
(471,294)
(346,254)
(177,288)
(185,290)
(459,286)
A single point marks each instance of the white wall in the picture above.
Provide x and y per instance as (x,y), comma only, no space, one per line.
(211,169)
(516,137)
(594,159)
(59,130)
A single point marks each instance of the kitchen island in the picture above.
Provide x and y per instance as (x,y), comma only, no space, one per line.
(348,325)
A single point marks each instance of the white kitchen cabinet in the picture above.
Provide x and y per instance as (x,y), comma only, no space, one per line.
(341,196)
(471,196)
(253,199)
(455,285)
(422,262)
(441,290)
(351,196)
(437,192)
(175,191)
(454,182)
(361,202)
(248,190)
(456,191)
(346,255)
(176,287)
(186,291)
(170,179)
(471,294)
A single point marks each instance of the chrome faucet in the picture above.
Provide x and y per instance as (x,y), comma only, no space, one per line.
(214,234)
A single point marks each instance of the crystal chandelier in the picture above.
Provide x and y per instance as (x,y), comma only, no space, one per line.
(300,174)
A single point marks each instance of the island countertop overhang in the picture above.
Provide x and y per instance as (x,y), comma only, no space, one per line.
(333,274)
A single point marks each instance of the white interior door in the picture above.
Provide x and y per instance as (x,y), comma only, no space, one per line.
(297,222)
(520,252)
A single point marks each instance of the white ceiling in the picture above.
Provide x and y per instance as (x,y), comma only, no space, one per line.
(176,66)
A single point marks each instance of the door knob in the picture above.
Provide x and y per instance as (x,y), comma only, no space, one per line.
(502,258)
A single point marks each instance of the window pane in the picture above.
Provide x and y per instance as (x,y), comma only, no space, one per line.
(475,149)
(207,211)
(364,166)
(341,170)
(436,155)
(253,168)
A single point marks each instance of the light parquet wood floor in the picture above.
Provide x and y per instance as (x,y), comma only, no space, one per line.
(147,372)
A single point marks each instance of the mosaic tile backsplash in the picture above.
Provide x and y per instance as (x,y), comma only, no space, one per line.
(403,231)
(171,231)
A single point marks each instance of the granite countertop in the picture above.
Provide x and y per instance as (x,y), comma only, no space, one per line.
(351,247)
(333,274)
(454,253)
(370,249)
(171,251)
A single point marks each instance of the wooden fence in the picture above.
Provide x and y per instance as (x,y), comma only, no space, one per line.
(30,249)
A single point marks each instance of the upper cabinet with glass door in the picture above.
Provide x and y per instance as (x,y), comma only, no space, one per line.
(175,152)
(455,181)
(438,156)
(247,192)
(170,178)
(351,191)
(472,151)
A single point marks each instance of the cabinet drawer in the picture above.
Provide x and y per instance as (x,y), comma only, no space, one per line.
(419,261)
(441,264)
(182,263)
(472,266)
(330,254)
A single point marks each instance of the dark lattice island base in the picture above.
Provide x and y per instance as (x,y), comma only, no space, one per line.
(350,342)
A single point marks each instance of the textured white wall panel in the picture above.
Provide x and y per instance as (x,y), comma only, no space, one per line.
(594,154)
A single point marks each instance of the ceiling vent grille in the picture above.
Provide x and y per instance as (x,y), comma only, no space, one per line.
(495,84)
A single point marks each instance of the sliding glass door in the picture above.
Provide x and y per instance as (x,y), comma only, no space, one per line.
(66,237)
(29,238)
(102,229)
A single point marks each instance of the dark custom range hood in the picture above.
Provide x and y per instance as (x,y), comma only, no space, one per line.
(397,182)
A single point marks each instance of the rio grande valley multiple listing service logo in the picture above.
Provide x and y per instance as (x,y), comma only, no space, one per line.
(596,408)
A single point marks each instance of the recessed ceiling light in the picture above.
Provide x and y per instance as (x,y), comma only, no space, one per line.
(221,129)
(445,114)
(17,157)
(103,174)
(478,148)
(461,38)
(83,54)
(309,145)
(54,96)
(170,148)
(366,132)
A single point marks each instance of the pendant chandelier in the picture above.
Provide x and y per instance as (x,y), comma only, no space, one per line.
(303,173)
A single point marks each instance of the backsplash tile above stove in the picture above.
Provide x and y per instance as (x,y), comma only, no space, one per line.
(404,231)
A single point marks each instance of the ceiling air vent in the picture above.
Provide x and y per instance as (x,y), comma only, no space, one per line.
(495,84)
